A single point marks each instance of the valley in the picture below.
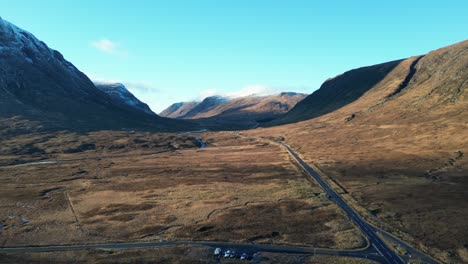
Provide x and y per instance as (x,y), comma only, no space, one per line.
(187,194)
(371,167)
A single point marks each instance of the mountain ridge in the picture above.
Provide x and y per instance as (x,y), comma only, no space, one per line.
(237,112)
(121,95)
(38,84)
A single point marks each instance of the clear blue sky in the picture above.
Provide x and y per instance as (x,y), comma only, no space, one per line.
(169,51)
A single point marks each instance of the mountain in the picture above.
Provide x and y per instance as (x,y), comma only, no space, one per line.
(429,78)
(234,113)
(178,109)
(120,94)
(397,147)
(337,92)
(208,104)
(39,85)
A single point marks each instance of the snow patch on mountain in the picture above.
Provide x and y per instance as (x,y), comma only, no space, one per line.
(119,93)
(14,40)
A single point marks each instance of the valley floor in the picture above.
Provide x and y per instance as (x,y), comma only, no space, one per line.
(127,186)
(409,179)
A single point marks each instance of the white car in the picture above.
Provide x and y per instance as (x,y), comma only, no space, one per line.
(227,254)
(243,256)
(217,252)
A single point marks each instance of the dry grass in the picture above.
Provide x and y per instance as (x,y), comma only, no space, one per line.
(410,178)
(169,255)
(238,189)
(292,259)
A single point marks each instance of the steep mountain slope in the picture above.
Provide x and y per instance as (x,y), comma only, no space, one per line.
(119,93)
(204,106)
(234,113)
(399,150)
(178,109)
(255,105)
(337,92)
(38,84)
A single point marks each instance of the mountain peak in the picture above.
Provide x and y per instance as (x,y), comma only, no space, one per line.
(39,85)
(121,95)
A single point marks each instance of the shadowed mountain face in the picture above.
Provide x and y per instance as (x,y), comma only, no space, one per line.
(38,84)
(436,79)
(337,92)
(119,93)
(206,105)
(235,113)
(400,149)
(178,109)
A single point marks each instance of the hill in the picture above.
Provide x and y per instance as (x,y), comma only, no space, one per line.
(38,85)
(121,95)
(219,112)
(399,149)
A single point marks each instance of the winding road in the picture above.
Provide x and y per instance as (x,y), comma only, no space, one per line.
(376,250)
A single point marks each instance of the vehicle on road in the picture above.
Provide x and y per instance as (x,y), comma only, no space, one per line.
(217,252)
(233,254)
(244,256)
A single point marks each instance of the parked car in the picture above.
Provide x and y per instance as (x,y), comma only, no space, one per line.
(217,252)
(244,256)
(227,254)
(233,254)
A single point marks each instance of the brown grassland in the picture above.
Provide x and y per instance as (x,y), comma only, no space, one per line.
(121,186)
(408,176)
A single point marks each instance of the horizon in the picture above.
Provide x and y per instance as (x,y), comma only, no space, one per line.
(166,54)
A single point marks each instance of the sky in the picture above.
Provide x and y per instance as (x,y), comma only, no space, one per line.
(172,51)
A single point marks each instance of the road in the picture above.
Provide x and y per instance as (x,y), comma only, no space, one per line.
(376,242)
(238,247)
(377,249)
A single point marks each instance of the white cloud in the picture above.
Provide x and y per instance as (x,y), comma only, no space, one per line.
(108,46)
(132,86)
(254,89)
(207,93)
(145,91)
(100,80)
(140,87)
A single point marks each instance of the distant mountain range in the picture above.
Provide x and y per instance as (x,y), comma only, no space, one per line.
(234,113)
(38,84)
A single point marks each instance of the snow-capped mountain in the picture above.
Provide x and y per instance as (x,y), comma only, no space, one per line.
(38,84)
(206,105)
(233,113)
(121,95)
(178,109)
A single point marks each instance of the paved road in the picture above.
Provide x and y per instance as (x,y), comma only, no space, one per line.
(377,250)
(53,161)
(238,247)
(376,242)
